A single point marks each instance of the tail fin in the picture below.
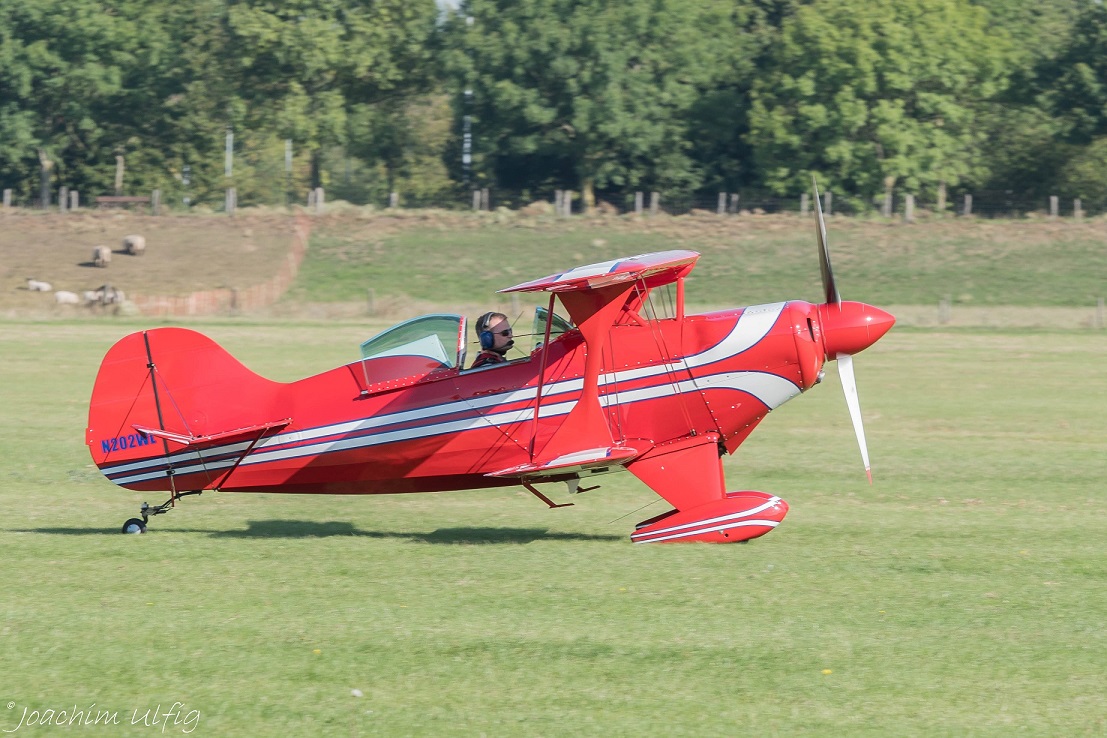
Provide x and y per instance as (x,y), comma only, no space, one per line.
(161,397)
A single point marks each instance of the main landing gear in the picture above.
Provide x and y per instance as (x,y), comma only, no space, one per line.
(134,525)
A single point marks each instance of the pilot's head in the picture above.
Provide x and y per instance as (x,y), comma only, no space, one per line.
(494,333)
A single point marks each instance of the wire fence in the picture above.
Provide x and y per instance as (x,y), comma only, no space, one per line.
(907,206)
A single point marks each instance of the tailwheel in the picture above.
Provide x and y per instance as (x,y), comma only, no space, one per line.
(134,525)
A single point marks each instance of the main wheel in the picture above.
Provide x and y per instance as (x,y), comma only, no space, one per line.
(134,525)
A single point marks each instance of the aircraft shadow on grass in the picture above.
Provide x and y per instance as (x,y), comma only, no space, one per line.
(331,529)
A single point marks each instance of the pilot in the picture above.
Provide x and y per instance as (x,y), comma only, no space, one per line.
(494,334)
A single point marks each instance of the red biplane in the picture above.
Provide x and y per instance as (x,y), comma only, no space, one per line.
(618,385)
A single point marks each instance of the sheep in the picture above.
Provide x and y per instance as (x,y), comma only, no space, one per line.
(36,286)
(104,295)
(62,297)
(101,256)
(134,245)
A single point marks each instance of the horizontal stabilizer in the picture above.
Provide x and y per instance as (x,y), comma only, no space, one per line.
(249,433)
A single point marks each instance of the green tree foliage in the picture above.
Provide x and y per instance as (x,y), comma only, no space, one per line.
(1074,85)
(599,96)
(718,120)
(587,95)
(405,139)
(1022,146)
(869,93)
(1083,175)
(303,63)
(62,72)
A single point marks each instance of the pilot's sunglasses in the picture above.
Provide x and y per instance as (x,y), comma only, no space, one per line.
(505,333)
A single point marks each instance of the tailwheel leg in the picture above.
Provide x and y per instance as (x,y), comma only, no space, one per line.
(134,525)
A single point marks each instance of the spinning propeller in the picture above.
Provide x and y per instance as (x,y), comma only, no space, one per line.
(847,327)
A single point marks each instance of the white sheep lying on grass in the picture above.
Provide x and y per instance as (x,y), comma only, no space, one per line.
(36,286)
(62,297)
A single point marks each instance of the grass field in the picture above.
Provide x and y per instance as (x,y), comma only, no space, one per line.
(961,594)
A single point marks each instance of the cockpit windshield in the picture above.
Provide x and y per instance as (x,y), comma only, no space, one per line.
(438,338)
(557,328)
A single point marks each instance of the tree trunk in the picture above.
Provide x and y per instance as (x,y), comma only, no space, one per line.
(119,174)
(316,168)
(45,165)
(588,195)
(889,185)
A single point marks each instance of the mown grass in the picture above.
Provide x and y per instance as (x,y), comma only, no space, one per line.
(961,594)
(746,260)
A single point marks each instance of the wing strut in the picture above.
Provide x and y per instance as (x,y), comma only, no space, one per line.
(541,375)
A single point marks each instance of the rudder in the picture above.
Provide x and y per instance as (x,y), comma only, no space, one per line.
(173,380)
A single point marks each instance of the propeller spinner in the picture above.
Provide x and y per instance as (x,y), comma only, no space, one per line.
(847,328)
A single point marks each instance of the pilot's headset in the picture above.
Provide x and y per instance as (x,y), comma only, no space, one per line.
(486,337)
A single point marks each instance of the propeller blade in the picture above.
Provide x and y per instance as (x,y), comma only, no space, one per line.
(829,288)
(849,386)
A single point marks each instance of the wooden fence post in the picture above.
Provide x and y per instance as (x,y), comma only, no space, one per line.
(886,209)
(1053,206)
(485,200)
(1077,209)
(734,196)
(968,205)
(941,197)
(909,209)
(74,199)
(944,309)
(155,202)
(320,200)
(229,201)
(63,198)
(371,301)
(721,209)
(637,203)
(828,203)
(655,202)
(7,198)
(804,205)
(393,199)
(476,200)
(567,203)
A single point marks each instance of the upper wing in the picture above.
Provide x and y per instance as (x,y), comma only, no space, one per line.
(657,269)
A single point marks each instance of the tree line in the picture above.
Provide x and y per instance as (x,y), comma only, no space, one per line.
(606,98)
